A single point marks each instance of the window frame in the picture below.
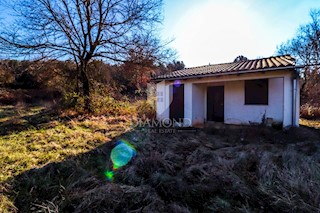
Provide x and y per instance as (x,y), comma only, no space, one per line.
(264,97)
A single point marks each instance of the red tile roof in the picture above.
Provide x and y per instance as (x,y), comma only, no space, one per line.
(262,64)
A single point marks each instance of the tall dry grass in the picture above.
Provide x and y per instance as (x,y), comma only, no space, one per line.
(249,169)
(310,111)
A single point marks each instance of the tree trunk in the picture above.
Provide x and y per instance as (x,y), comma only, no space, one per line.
(85,87)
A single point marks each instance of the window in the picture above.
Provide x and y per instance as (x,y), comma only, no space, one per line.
(256,92)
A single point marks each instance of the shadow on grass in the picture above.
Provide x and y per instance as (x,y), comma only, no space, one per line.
(78,184)
(311,128)
(8,111)
(15,119)
(57,186)
(241,170)
(52,186)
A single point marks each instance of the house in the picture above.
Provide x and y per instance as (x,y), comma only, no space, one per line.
(264,90)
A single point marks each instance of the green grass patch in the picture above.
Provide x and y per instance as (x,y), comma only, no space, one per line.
(33,137)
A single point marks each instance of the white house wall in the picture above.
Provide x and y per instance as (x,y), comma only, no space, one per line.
(194,102)
(279,108)
(236,112)
(163,100)
(198,104)
(188,104)
(288,101)
(297,103)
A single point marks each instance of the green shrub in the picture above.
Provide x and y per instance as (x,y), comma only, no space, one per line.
(106,105)
(73,101)
(103,102)
(146,109)
(99,104)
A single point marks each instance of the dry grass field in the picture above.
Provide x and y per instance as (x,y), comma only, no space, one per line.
(55,162)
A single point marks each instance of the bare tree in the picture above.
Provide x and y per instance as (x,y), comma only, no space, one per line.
(175,65)
(305,47)
(240,58)
(83,30)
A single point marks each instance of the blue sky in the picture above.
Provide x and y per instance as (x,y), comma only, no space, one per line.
(216,31)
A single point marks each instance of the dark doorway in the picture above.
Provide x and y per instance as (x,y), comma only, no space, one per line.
(215,104)
(177,104)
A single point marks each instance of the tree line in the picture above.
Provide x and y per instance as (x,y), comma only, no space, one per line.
(130,78)
(117,32)
(305,47)
(115,42)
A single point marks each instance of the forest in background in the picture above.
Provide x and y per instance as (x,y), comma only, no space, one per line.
(55,82)
(305,47)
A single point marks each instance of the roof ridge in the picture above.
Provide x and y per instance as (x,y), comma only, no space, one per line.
(210,65)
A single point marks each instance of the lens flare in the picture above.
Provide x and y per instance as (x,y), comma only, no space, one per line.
(109,175)
(177,83)
(122,154)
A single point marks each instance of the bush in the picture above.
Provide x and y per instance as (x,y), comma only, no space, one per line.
(146,109)
(105,101)
(74,101)
(99,105)
(310,112)
(106,105)
(28,96)
(26,81)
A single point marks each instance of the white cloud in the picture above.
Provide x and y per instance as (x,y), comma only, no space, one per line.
(213,33)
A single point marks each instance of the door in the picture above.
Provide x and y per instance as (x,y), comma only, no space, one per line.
(215,103)
(177,104)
